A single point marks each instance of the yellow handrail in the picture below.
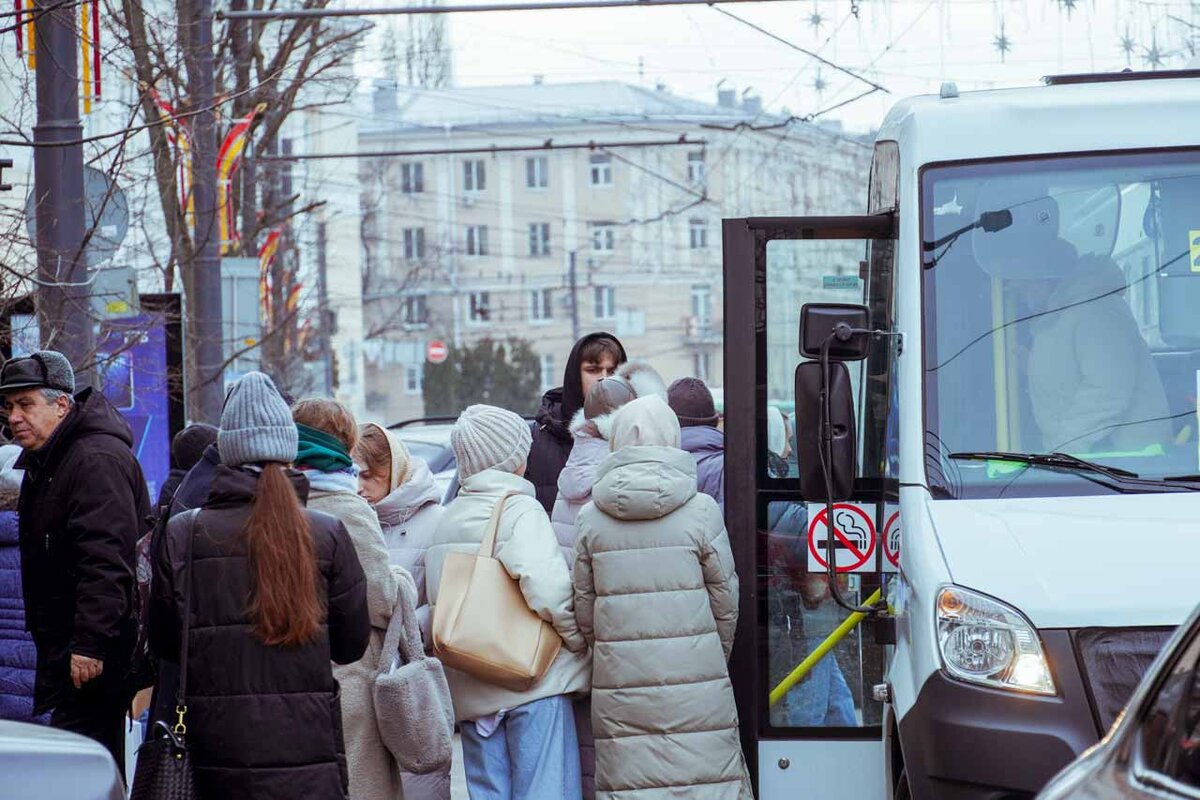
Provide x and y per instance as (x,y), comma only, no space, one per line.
(831,641)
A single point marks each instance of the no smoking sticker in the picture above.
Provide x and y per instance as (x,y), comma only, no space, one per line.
(891,542)
(854,538)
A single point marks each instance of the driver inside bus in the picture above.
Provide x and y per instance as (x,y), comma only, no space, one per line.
(1091,380)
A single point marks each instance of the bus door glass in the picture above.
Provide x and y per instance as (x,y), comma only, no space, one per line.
(816,674)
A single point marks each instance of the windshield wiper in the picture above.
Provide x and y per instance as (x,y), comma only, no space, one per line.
(1067,461)
(1063,460)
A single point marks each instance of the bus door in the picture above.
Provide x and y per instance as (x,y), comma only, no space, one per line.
(804,668)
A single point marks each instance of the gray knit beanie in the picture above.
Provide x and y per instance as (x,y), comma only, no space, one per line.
(256,425)
(486,437)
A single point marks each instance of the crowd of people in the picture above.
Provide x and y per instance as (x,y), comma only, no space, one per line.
(253,601)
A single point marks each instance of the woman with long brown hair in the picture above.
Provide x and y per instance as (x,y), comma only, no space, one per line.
(277,593)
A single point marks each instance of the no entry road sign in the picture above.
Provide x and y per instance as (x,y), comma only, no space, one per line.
(437,352)
(854,538)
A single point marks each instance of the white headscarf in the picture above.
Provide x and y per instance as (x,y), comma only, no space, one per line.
(645,421)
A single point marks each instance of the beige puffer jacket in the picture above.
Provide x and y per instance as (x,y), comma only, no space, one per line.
(656,594)
(525,544)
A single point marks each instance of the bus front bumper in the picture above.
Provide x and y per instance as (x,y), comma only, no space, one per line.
(965,742)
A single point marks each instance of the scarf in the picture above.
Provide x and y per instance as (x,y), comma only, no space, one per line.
(320,451)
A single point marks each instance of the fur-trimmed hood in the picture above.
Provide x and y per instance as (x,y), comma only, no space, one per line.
(644,379)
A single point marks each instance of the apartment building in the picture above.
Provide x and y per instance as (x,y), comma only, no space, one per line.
(546,210)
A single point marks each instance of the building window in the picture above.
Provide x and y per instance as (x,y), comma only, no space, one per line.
(537,172)
(549,379)
(702,306)
(695,166)
(481,307)
(604,237)
(698,233)
(539,238)
(474,177)
(477,244)
(601,170)
(701,363)
(416,310)
(414,244)
(414,378)
(412,178)
(605,301)
(541,307)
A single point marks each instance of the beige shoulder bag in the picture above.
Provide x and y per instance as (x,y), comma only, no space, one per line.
(481,623)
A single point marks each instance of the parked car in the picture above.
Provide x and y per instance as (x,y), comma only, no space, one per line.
(1152,752)
(429,440)
(51,764)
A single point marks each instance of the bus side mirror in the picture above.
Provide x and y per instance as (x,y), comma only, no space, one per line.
(843,452)
(818,321)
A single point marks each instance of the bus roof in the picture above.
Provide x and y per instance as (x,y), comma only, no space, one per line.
(1069,117)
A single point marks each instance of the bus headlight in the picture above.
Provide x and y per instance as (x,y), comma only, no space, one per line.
(986,642)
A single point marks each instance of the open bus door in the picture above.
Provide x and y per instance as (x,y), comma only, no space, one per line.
(811,726)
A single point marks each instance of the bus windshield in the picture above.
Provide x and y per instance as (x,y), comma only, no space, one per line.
(1060,301)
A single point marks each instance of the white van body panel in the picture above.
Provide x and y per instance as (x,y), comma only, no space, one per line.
(821,769)
(1116,561)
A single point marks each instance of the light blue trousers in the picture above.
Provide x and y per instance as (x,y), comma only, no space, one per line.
(533,755)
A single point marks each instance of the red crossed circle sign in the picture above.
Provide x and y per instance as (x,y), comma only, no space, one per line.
(891,539)
(855,535)
(437,352)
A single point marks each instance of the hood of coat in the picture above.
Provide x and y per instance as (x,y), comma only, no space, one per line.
(495,482)
(235,486)
(568,398)
(645,421)
(401,459)
(702,441)
(92,415)
(596,428)
(579,475)
(409,497)
(10,477)
(644,482)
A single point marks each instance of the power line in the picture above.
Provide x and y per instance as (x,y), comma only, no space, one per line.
(309,13)
(547,146)
(798,48)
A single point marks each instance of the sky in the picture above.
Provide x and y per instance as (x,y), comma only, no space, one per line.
(906,46)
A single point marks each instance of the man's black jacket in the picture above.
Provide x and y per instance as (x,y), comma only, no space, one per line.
(83,507)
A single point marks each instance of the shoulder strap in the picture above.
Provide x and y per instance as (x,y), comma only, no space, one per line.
(402,635)
(191,516)
(487,548)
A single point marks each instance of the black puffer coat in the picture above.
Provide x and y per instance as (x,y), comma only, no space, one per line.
(83,506)
(552,438)
(264,723)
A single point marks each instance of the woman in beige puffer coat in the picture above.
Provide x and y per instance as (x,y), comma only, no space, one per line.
(656,596)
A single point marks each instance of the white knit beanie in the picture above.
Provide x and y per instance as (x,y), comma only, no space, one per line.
(256,424)
(486,437)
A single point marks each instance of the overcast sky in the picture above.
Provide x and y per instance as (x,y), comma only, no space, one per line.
(907,46)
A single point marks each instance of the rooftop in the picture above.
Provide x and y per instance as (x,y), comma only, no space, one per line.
(552,104)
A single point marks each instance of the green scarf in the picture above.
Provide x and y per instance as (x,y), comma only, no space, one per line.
(321,451)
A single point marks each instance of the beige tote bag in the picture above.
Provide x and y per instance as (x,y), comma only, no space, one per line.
(481,623)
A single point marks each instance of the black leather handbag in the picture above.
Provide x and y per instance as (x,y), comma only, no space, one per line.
(164,765)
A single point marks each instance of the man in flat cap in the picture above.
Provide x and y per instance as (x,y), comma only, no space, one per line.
(83,506)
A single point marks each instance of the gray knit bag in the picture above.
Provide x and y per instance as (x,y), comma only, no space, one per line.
(412,699)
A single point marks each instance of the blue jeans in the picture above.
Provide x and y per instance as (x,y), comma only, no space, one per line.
(532,755)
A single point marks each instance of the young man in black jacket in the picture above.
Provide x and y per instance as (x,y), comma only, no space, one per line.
(83,506)
(593,357)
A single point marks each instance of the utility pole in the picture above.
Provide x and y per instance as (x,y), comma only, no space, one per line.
(64,293)
(204,292)
(573,284)
(326,313)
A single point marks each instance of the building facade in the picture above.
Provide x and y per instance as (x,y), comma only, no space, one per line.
(584,207)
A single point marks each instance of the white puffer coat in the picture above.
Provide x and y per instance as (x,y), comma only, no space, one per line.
(525,544)
(576,480)
(409,517)
(656,594)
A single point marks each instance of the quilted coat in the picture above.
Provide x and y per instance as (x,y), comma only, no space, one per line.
(656,596)
(18,658)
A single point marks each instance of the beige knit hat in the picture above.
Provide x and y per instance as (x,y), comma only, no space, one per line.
(486,437)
